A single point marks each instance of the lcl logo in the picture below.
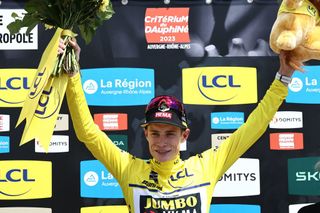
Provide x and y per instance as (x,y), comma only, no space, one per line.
(220,81)
(15,175)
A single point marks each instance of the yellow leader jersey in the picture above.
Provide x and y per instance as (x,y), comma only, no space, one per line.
(179,186)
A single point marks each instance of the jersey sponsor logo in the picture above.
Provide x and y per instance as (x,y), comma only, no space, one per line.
(120,141)
(118,86)
(187,203)
(152,185)
(294,208)
(58,144)
(25,210)
(181,174)
(241,179)
(25,180)
(219,85)
(230,208)
(304,176)
(286,141)
(112,121)
(286,120)
(226,120)
(4,144)
(217,139)
(105,209)
(191,199)
(174,180)
(97,181)
(304,87)
(4,123)
(62,123)
(17,41)
(14,86)
(167,115)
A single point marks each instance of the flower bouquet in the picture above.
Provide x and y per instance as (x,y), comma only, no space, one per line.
(46,92)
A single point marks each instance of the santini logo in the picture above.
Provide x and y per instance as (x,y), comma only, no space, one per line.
(111,121)
(286,141)
(219,85)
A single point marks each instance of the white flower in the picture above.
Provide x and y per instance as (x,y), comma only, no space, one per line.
(104,4)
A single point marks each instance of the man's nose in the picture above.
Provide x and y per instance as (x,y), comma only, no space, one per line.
(162,141)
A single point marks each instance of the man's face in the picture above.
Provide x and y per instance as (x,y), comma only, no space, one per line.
(164,140)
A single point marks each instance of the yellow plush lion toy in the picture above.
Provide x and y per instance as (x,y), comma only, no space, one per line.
(297,29)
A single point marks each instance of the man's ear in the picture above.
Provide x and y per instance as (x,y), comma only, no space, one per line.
(145,131)
(185,134)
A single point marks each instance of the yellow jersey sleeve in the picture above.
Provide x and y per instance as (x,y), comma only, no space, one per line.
(98,143)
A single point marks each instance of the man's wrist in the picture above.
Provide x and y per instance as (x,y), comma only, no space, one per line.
(284,79)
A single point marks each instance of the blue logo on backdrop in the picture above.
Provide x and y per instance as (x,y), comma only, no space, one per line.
(97,182)
(232,208)
(118,86)
(4,144)
(305,87)
(226,120)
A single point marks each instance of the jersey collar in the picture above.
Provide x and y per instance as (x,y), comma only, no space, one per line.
(167,167)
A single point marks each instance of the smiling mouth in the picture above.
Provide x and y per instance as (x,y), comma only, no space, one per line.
(162,151)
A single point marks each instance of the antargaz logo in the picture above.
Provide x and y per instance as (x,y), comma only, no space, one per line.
(14,85)
(25,180)
(304,176)
(219,85)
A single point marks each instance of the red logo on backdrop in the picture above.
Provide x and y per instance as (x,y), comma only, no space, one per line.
(167,25)
(112,121)
(1,122)
(286,141)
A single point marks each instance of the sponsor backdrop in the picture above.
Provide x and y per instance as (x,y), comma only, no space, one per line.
(215,57)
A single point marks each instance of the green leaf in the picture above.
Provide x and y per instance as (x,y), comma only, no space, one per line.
(15,15)
(86,32)
(14,27)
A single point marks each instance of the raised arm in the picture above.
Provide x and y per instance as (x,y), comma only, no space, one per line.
(245,136)
(87,131)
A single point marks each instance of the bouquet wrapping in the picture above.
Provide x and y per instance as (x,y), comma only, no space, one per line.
(42,105)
